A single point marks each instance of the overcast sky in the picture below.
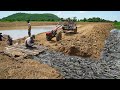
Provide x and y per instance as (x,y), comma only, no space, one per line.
(109,15)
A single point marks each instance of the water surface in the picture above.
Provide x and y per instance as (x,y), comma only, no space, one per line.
(18,33)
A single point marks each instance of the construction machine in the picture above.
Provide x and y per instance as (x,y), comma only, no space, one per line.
(69,26)
(66,26)
(54,33)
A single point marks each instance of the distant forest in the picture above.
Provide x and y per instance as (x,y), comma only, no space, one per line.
(95,19)
(47,17)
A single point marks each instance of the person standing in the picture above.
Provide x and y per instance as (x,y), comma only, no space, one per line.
(29,28)
(9,40)
(1,36)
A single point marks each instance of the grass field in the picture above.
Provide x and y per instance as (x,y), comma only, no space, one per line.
(117,25)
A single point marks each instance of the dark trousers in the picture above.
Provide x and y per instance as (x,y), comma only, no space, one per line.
(28,47)
(29,33)
(10,42)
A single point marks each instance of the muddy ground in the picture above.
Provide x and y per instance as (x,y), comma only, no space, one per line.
(87,43)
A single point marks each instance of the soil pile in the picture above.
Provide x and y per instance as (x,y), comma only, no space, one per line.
(25,69)
(89,41)
(3,43)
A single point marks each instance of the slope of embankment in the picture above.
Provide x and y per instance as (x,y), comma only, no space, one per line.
(88,42)
(25,68)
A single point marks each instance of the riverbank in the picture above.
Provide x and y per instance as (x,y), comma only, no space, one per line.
(22,25)
(69,66)
(88,42)
(25,68)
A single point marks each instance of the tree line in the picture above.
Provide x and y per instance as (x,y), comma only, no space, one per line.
(94,19)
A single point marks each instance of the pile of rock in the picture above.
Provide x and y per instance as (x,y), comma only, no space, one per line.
(108,67)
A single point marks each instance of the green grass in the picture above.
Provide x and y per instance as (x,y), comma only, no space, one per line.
(117,25)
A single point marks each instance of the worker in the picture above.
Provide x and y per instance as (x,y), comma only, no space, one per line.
(29,28)
(29,42)
(9,40)
(1,36)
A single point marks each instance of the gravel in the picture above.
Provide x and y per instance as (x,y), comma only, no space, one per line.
(74,67)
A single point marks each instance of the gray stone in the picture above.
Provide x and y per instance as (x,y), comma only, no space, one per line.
(73,67)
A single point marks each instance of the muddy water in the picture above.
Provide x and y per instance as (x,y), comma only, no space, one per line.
(18,33)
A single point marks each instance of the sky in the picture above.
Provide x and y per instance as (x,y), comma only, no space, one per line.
(108,15)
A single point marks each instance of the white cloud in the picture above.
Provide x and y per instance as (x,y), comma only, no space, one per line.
(82,11)
(59,13)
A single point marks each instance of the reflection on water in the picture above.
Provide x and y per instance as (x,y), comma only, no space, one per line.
(16,34)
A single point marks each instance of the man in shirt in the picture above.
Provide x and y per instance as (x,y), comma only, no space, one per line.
(29,42)
(9,40)
(1,36)
(29,28)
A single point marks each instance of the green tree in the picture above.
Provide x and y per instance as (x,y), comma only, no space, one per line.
(75,18)
(84,19)
(115,21)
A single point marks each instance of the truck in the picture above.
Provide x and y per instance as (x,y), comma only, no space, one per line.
(69,26)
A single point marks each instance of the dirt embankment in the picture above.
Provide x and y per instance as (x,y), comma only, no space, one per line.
(88,42)
(22,25)
(24,69)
